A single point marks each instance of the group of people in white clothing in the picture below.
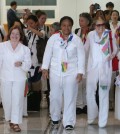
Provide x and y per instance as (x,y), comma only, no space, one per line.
(15,61)
(78,64)
(65,58)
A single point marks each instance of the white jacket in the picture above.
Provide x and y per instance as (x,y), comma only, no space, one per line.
(96,56)
(54,53)
(113,29)
(8,57)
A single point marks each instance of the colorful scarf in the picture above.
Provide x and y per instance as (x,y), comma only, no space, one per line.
(64,45)
(83,36)
(103,42)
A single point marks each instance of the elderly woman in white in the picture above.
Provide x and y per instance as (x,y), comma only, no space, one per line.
(99,70)
(15,61)
(65,57)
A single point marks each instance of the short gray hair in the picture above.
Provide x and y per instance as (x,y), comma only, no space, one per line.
(56,26)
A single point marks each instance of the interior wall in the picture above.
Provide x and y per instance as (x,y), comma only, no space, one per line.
(74,8)
(64,7)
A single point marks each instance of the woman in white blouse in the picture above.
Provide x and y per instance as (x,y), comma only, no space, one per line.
(114,23)
(99,70)
(15,61)
(64,57)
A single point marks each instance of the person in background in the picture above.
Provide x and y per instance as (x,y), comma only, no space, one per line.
(37,12)
(42,19)
(11,15)
(85,21)
(65,58)
(99,13)
(15,61)
(3,34)
(117,93)
(107,14)
(99,69)
(42,16)
(32,33)
(25,16)
(114,25)
(54,28)
(93,9)
(2,38)
(109,6)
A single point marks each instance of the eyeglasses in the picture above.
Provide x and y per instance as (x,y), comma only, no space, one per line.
(100,25)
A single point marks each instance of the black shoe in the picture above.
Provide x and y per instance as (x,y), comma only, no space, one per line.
(1,105)
(79,111)
(69,127)
(84,110)
(55,125)
(55,122)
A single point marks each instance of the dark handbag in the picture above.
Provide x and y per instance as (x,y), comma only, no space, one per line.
(115,59)
(34,82)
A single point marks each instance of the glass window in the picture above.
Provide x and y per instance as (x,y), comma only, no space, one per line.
(19,2)
(44,2)
(34,2)
(27,2)
(50,13)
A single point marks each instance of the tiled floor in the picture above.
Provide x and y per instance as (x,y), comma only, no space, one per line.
(39,123)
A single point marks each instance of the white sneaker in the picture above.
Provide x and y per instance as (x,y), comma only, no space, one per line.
(91,121)
(102,125)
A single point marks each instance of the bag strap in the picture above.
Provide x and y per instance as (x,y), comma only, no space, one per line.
(111,43)
(2,35)
(76,30)
(29,81)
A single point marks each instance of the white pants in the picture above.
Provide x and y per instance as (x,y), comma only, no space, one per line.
(81,97)
(63,88)
(12,93)
(91,87)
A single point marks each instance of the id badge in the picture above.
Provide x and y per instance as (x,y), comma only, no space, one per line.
(64,66)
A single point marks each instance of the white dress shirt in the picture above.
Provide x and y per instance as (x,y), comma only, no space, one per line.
(113,29)
(8,57)
(96,56)
(54,54)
